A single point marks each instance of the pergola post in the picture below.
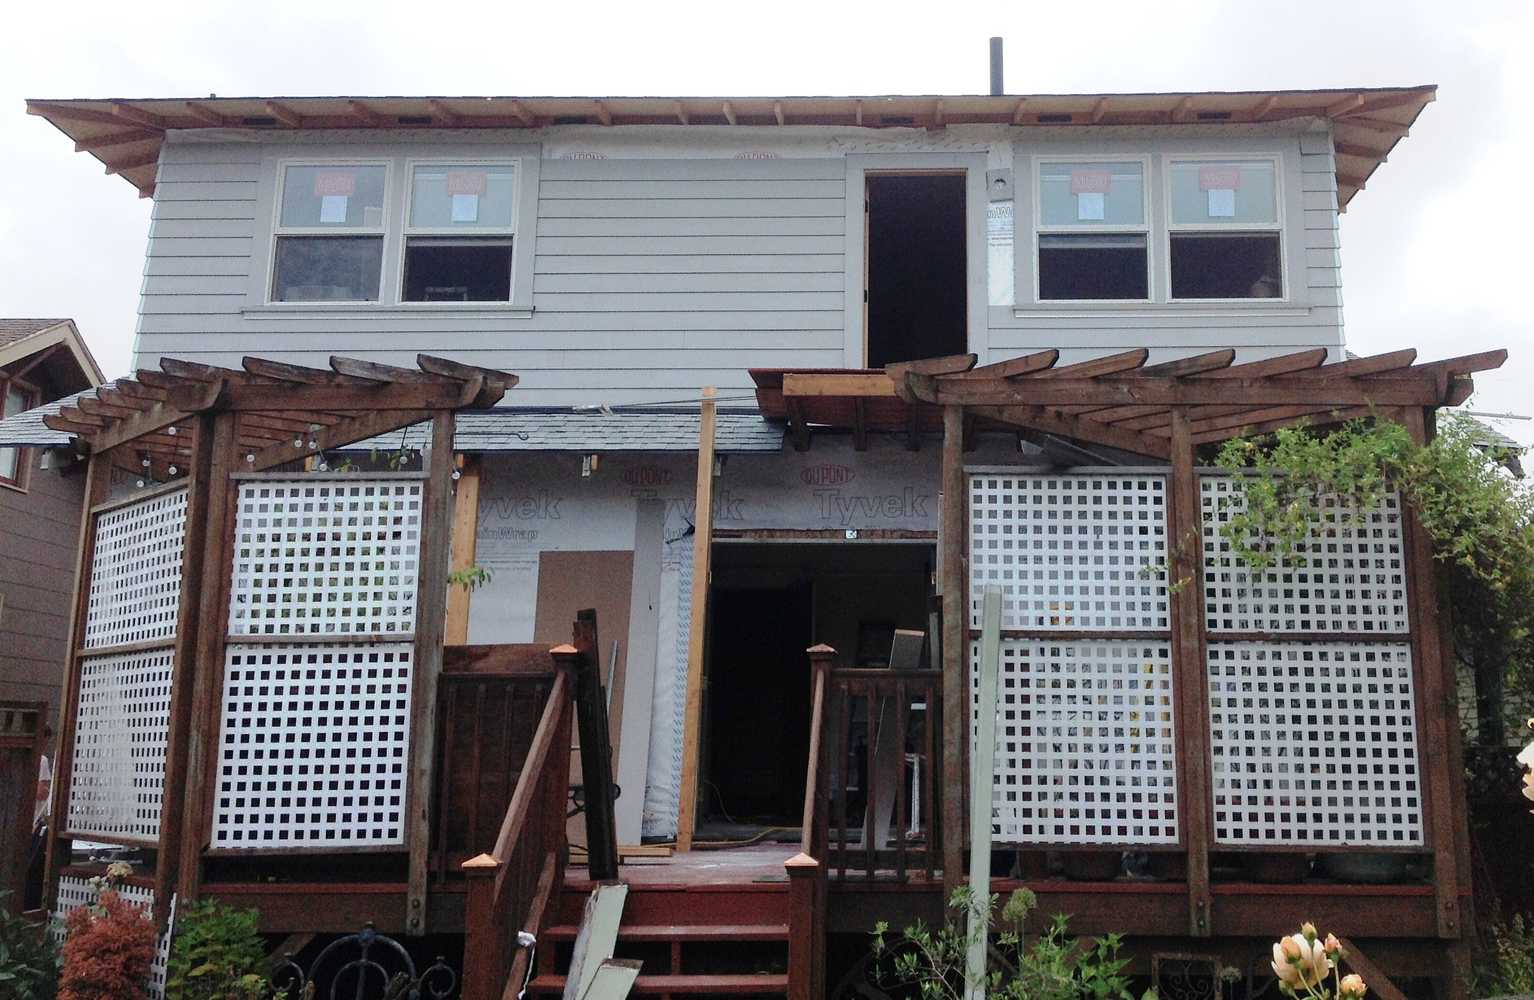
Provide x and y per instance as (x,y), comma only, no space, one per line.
(702,553)
(98,478)
(1190,666)
(430,620)
(211,604)
(955,646)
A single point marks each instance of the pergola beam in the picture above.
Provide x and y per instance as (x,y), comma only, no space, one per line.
(1077,428)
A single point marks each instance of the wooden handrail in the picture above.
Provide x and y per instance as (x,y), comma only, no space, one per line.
(813,776)
(520,807)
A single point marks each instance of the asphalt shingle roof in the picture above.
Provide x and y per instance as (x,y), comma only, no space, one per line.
(12,330)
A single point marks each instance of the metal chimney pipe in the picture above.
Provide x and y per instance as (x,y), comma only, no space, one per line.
(997,87)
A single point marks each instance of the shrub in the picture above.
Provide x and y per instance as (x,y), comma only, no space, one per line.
(217,954)
(107,951)
(29,963)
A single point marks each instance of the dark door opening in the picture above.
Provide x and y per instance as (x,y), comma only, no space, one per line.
(916,288)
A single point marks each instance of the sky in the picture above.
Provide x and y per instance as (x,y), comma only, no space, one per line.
(1436,252)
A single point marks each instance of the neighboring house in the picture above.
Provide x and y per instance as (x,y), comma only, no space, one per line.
(621,254)
(41,360)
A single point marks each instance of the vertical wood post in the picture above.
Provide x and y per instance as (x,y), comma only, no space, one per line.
(465,528)
(955,647)
(485,966)
(430,615)
(702,550)
(98,478)
(806,928)
(1440,758)
(207,657)
(1190,668)
(189,620)
(596,752)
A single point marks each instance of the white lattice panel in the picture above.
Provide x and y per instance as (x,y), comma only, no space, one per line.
(77,892)
(136,571)
(1349,577)
(1068,551)
(1314,743)
(326,557)
(118,776)
(315,746)
(1086,749)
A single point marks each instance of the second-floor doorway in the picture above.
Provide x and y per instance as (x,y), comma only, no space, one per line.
(916,265)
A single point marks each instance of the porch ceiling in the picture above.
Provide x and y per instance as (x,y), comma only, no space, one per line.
(1116,401)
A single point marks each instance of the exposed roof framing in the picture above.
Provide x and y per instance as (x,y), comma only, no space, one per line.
(1117,401)
(126,134)
(285,413)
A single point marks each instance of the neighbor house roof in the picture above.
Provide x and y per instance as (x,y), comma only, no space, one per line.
(26,338)
(126,134)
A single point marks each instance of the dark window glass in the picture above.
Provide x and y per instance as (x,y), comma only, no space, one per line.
(1226,266)
(327,269)
(455,269)
(1092,266)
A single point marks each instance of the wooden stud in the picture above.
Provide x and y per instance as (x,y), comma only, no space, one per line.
(1190,667)
(702,551)
(596,751)
(681,113)
(205,114)
(207,658)
(98,477)
(777,112)
(284,114)
(523,115)
(369,117)
(431,612)
(955,648)
(114,139)
(603,114)
(138,116)
(729,112)
(465,529)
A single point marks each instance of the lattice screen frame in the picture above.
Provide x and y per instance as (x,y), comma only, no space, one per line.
(122,732)
(75,892)
(1315,744)
(1353,578)
(135,572)
(1086,749)
(1070,551)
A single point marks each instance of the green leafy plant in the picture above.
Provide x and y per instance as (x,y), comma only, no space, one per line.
(1296,485)
(217,954)
(29,963)
(1055,966)
(470,578)
(1506,965)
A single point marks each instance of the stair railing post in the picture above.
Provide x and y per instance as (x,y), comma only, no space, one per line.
(806,938)
(485,952)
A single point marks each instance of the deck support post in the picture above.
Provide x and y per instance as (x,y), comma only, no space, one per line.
(1442,753)
(702,550)
(1190,667)
(430,616)
(98,479)
(484,969)
(955,646)
(465,530)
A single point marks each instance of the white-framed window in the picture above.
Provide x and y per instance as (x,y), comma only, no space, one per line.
(328,242)
(1224,228)
(1092,230)
(14,398)
(460,230)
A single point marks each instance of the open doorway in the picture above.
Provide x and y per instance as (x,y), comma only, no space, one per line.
(916,299)
(769,602)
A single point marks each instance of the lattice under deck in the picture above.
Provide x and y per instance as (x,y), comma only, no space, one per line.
(118,776)
(1086,749)
(1314,744)
(315,746)
(326,557)
(1068,551)
(135,586)
(76,892)
(1351,576)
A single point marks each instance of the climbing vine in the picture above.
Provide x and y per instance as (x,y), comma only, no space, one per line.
(1480,519)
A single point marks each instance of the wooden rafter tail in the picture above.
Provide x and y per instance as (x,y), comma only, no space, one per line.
(1078,428)
(1314,418)
(948,364)
(1025,365)
(76,415)
(1283,364)
(1111,364)
(1374,364)
(1198,364)
(161,381)
(108,411)
(64,425)
(279,371)
(449,368)
(196,398)
(139,390)
(196,371)
(372,371)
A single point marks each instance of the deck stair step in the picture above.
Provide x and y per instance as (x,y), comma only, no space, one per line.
(683,932)
(751,984)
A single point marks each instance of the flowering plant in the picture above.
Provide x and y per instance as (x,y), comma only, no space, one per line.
(1526,758)
(1304,963)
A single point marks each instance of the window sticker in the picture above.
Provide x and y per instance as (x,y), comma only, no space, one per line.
(465,187)
(1220,184)
(1090,188)
(334,188)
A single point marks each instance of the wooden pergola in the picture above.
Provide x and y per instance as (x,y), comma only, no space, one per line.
(202,429)
(1163,412)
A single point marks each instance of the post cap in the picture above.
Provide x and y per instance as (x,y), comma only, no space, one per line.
(564,649)
(821,649)
(481,862)
(801,861)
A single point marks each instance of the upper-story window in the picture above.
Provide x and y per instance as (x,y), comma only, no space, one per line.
(459,229)
(330,233)
(1224,230)
(14,398)
(1093,230)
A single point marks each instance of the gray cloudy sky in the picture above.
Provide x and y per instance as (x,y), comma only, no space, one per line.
(1435,251)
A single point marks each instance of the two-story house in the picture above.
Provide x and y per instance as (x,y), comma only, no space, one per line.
(621,254)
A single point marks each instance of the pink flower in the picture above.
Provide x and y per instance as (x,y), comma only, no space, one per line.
(1352,986)
(1528,785)
(1299,962)
(1333,946)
